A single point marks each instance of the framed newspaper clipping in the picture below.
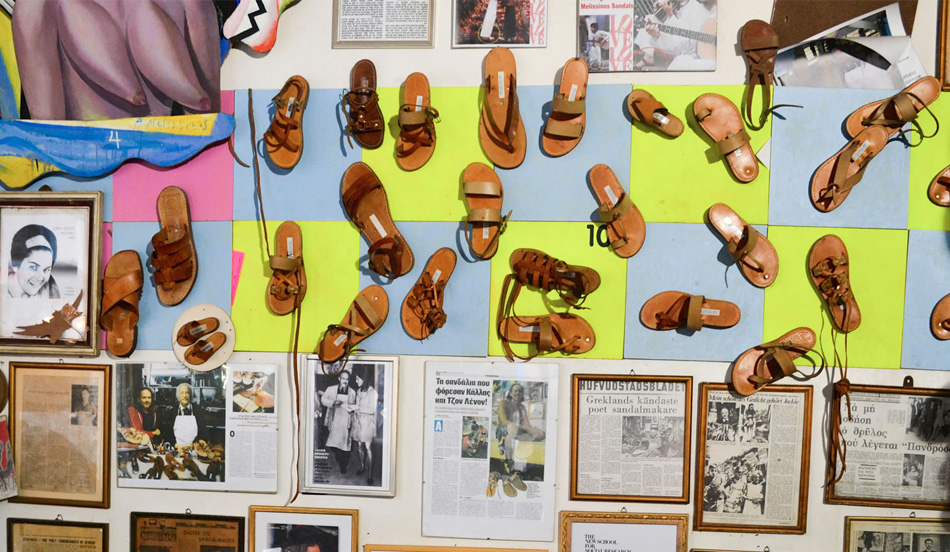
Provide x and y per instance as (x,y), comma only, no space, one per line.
(614,531)
(382,23)
(300,529)
(873,534)
(43,535)
(186,533)
(754,452)
(642,425)
(895,445)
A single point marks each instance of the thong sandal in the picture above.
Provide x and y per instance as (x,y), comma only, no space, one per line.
(670,310)
(753,252)
(288,283)
(422,312)
(839,174)
(483,197)
(759,43)
(174,257)
(644,108)
(940,319)
(361,103)
(573,283)
(195,330)
(939,190)
(720,118)
(565,125)
(284,137)
(366,314)
(121,290)
(625,226)
(770,362)
(417,118)
(894,112)
(364,199)
(500,128)
(204,349)
(829,268)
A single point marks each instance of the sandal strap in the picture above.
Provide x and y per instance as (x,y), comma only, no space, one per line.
(646,107)
(732,142)
(121,293)
(760,51)
(828,266)
(286,264)
(551,274)
(744,253)
(204,349)
(482,187)
(278,134)
(561,104)
(779,351)
(486,215)
(172,260)
(357,109)
(363,186)
(694,313)
(612,216)
(563,129)
(385,256)
(426,300)
(504,135)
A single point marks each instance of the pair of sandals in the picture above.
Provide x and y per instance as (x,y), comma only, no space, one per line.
(202,339)
(510,484)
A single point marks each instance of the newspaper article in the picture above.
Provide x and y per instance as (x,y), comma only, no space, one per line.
(180,429)
(631,438)
(490,448)
(154,533)
(898,447)
(753,458)
(382,20)
(898,535)
(44,536)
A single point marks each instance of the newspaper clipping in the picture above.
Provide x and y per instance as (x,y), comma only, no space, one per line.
(897,535)
(382,21)
(490,445)
(898,447)
(753,458)
(632,437)
(161,532)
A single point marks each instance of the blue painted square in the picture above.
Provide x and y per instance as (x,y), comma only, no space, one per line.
(802,139)
(928,280)
(309,191)
(61,182)
(690,258)
(466,298)
(548,188)
(213,284)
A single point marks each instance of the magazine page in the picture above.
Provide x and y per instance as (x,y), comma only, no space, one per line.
(382,20)
(509,23)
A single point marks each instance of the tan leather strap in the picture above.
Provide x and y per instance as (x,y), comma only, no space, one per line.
(563,129)
(562,105)
(359,115)
(482,187)
(645,107)
(504,135)
(744,253)
(386,255)
(121,293)
(732,142)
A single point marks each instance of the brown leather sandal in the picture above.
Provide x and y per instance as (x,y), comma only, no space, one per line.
(721,120)
(204,349)
(839,174)
(174,257)
(284,137)
(288,283)
(894,112)
(829,269)
(422,312)
(557,332)
(759,43)
(484,195)
(939,189)
(670,310)
(416,142)
(364,199)
(753,252)
(121,290)
(573,283)
(361,104)
(625,226)
(366,314)
(191,332)
(500,129)
(644,108)
(56,325)
(565,125)
(770,362)
(940,319)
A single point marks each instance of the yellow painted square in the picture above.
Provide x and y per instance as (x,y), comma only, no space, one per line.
(926,161)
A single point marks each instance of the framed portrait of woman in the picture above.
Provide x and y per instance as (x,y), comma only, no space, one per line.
(50,251)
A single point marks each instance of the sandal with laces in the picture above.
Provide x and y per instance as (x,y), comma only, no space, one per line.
(829,269)
(422,312)
(284,137)
(361,105)
(416,142)
(366,315)
(573,283)
(770,362)
(759,44)
(894,112)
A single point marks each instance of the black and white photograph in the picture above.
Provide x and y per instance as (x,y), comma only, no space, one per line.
(913,470)
(84,409)
(489,23)
(896,534)
(518,422)
(722,422)
(929,542)
(675,35)
(652,436)
(292,529)
(350,431)
(253,392)
(929,418)
(754,423)
(288,537)
(593,42)
(896,542)
(475,437)
(871,541)
(735,483)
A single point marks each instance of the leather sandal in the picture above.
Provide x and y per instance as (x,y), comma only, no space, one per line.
(361,104)
(625,226)
(573,283)
(284,137)
(53,327)
(500,128)
(840,173)
(204,349)
(939,190)
(191,332)
(894,112)
(565,125)
(557,332)
(759,43)
(720,118)
(484,195)
(422,312)
(416,142)
(770,362)
(121,290)
(940,319)
(174,257)
(644,108)
(829,268)
(670,310)
(366,315)
(754,253)
(288,283)
(364,199)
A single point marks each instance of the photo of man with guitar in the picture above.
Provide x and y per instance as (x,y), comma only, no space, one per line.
(595,42)
(675,35)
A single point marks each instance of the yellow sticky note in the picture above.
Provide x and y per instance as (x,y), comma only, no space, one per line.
(926,161)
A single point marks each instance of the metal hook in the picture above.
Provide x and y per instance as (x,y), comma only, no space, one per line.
(59,517)
(623,510)
(908,381)
(766,549)
(633,372)
(913,515)
(188,511)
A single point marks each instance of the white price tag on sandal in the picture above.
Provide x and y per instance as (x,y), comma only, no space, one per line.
(379,227)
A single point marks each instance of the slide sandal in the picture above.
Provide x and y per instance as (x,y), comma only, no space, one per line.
(366,315)
(288,283)
(284,137)
(646,109)
(121,290)
(422,312)
(500,129)
(565,125)
(625,226)
(829,268)
(834,179)
(364,199)
(416,142)
(556,332)
(894,112)
(484,195)
(720,118)
(940,319)
(669,310)
(174,257)
(204,349)
(191,332)
(939,190)
(753,252)
(772,361)
(364,118)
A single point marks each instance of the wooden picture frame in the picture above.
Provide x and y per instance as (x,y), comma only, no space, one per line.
(887,533)
(413,548)
(658,432)
(185,532)
(29,534)
(50,251)
(280,526)
(70,405)
(943,44)
(630,531)
(734,459)
(879,430)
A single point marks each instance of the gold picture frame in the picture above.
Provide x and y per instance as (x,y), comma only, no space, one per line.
(655,431)
(886,532)
(76,403)
(29,534)
(280,526)
(157,531)
(641,527)
(943,44)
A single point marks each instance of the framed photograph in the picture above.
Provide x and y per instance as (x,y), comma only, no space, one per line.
(642,424)
(186,533)
(350,427)
(943,45)
(610,531)
(897,439)
(490,23)
(50,250)
(883,534)
(60,416)
(366,24)
(40,535)
(754,453)
(303,529)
